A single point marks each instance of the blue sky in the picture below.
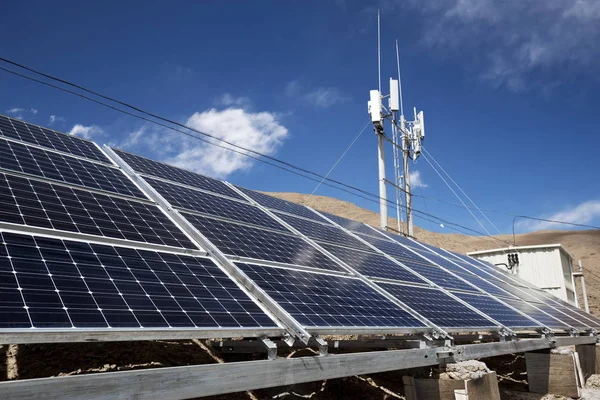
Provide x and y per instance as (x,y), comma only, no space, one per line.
(510,91)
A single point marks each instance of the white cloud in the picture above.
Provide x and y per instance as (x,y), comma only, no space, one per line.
(86,132)
(322,97)
(259,131)
(55,118)
(326,97)
(229,100)
(584,213)
(416,181)
(34,111)
(515,44)
(16,112)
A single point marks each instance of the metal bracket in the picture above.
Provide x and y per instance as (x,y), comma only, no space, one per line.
(573,332)
(505,335)
(322,345)
(271,348)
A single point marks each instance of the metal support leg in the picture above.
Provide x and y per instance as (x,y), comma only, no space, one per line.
(322,345)
(271,348)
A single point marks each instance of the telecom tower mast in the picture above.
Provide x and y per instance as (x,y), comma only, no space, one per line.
(409,133)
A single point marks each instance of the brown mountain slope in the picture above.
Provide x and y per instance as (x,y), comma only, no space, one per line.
(583,245)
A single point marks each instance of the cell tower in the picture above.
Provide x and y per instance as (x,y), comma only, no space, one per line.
(406,137)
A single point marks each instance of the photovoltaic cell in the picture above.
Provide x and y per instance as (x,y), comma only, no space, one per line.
(31,160)
(372,264)
(487,285)
(206,203)
(244,241)
(351,225)
(501,313)
(317,300)
(327,233)
(392,249)
(35,203)
(438,276)
(437,306)
(533,312)
(29,133)
(171,173)
(53,283)
(281,205)
(584,317)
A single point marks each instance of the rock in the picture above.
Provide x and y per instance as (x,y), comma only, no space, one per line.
(593,381)
(465,370)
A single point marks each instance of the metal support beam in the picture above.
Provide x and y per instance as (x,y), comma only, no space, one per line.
(212,379)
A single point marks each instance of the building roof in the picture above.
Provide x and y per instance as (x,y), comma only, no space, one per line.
(517,248)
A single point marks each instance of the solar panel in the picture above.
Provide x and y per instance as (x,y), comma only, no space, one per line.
(438,276)
(487,285)
(372,264)
(18,157)
(438,307)
(351,225)
(34,203)
(533,312)
(501,313)
(245,241)
(318,300)
(281,205)
(392,249)
(196,200)
(175,174)
(327,233)
(29,133)
(53,283)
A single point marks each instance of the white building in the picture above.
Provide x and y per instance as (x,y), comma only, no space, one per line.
(549,267)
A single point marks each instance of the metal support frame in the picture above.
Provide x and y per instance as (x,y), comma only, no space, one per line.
(262,299)
(211,379)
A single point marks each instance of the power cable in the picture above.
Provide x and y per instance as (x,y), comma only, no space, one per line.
(339,159)
(461,190)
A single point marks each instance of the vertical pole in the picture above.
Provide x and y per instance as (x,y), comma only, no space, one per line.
(382,191)
(405,157)
(583,290)
(396,171)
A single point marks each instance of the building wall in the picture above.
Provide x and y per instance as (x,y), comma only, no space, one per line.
(547,268)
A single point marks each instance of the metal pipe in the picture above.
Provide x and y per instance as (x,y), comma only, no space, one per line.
(583,290)
(382,187)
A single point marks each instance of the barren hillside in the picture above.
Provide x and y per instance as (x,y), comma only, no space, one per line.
(583,245)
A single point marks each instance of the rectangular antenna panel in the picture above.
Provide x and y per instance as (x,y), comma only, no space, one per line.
(375,106)
(394,101)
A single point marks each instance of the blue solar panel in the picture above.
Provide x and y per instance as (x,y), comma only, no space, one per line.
(281,205)
(392,249)
(438,276)
(317,300)
(244,241)
(175,174)
(19,157)
(501,313)
(53,283)
(372,264)
(16,129)
(436,306)
(533,312)
(327,233)
(34,203)
(351,225)
(206,203)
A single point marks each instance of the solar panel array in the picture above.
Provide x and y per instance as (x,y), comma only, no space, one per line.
(54,187)
(327,273)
